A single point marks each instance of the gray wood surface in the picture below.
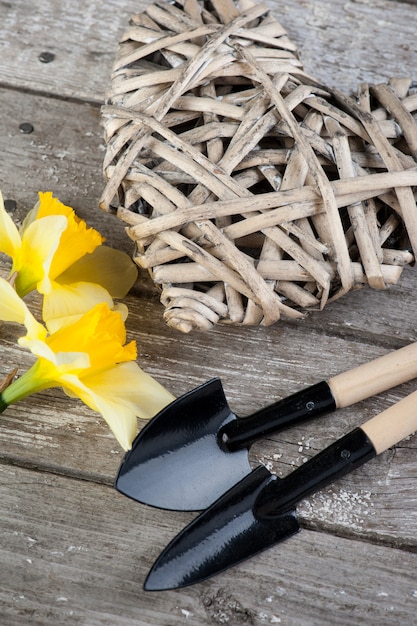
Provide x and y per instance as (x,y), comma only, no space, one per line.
(72,550)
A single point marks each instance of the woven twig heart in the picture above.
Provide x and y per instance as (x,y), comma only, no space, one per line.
(251,190)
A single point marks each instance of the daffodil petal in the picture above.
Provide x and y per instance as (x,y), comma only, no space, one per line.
(121,394)
(29,218)
(13,309)
(39,245)
(64,304)
(131,385)
(121,309)
(10,240)
(58,363)
(120,416)
(112,269)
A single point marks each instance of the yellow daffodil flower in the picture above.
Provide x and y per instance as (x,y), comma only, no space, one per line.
(56,253)
(90,360)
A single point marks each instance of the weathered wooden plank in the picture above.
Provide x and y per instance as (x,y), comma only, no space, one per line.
(390,314)
(83,40)
(342,43)
(77,553)
(345,43)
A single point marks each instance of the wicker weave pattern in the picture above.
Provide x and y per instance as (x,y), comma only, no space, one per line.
(251,191)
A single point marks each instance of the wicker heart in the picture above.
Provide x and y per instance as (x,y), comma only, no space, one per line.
(251,190)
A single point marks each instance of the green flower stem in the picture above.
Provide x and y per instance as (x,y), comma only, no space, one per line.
(29,383)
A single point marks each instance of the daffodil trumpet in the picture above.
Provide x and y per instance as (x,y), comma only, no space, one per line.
(89,359)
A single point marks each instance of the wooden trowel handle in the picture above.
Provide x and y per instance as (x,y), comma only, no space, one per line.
(392,425)
(371,378)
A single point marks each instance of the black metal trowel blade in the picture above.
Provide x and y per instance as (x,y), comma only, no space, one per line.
(176,461)
(225,534)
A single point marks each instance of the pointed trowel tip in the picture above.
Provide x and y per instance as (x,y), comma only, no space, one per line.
(149,586)
(156,580)
(153,585)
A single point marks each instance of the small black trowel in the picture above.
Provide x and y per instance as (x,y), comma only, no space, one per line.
(197,448)
(259,511)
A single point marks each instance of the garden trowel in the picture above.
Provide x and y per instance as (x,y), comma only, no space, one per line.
(259,511)
(196,448)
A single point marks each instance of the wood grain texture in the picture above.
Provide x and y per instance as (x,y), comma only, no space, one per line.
(63,154)
(72,550)
(82,38)
(77,554)
(342,43)
(345,43)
